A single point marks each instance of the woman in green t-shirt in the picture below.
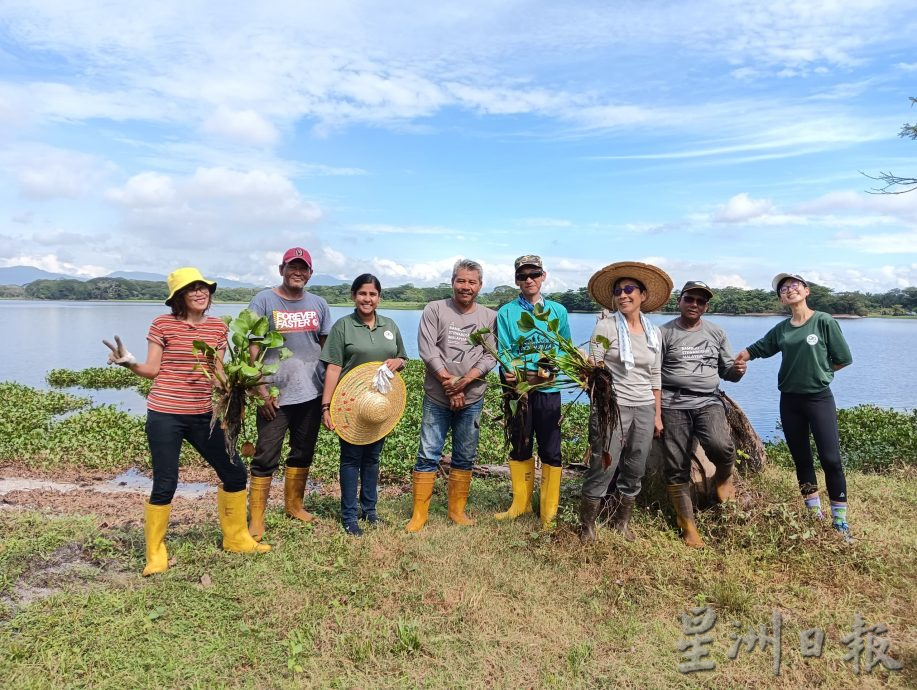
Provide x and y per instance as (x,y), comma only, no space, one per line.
(361,337)
(813,348)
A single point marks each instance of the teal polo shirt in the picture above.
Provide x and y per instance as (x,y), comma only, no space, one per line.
(352,343)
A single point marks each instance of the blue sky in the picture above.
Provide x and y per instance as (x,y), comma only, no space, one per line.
(721,140)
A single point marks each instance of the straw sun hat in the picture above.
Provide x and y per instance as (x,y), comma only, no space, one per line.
(360,413)
(657,282)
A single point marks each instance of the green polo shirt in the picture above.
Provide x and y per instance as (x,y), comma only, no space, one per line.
(352,343)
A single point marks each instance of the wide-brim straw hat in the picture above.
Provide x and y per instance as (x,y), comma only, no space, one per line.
(359,412)
(183,277)
(657,282)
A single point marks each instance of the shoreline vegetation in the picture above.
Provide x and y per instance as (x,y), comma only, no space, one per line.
(899,302)
(494,605)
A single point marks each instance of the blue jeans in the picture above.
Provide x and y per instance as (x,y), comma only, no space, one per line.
(437,421)
(359,464)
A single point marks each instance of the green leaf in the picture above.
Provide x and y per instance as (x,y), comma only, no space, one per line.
(602,341)
(526,322)
(553,325)
(249,371)
(513,406)
(270,369)
(285,353)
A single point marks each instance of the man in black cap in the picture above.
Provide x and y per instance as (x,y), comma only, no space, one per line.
(695,356)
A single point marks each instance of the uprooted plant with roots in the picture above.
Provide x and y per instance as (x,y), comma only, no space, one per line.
(242,371)
(561,364)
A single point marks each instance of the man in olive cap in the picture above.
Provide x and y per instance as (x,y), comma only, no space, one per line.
(541,419)
(695,356)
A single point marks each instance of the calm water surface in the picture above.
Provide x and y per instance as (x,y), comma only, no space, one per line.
(47,335)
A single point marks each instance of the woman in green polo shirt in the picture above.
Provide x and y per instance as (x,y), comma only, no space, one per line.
(361,337)
(812,348)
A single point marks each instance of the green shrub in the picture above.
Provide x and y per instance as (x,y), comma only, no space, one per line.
(873,439)
(104,437)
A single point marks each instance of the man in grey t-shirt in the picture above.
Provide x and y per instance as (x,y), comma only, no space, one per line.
(453,391)
(695,356)
(304,320)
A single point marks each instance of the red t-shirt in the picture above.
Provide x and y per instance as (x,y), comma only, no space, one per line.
(179,387)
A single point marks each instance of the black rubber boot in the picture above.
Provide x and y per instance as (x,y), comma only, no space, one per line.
(588,510)
(621,518)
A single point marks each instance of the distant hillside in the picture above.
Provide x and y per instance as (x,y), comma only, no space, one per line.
(325,279)
(159,277)
(22,275)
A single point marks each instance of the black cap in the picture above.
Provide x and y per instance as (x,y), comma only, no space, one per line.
(696,285)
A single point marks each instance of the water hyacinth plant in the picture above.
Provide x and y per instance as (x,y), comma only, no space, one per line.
(243,369)
(561,364)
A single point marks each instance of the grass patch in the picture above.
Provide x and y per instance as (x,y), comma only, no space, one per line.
(496,605)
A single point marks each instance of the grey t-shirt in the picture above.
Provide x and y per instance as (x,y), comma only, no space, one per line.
(442,342)
(634,387)
(694,361)
(301,377)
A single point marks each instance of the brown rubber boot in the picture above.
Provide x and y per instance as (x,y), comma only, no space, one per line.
(457,490)
(588,511)
(422,487)
(680,495)
(294,487)
(724,483)
(257,504)
(620,521)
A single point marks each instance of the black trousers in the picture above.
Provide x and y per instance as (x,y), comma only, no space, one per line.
(165,432)
(542,424)
(303,420)
(801,414)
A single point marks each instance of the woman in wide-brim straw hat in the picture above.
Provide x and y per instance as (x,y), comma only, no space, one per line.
(362,412)
(179,408)
(812,348)
(633,353)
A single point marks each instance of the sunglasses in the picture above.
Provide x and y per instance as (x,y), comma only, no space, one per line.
(627,289)
(786,287)
(699,301)
(534,275)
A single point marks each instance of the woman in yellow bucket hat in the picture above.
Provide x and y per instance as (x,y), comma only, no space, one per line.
(179,408)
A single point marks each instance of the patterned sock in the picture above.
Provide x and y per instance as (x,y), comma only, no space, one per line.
(813,505)
(839,513)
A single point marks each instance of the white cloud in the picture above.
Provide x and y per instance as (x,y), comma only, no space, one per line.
(742,208)
(45,172)
(144,189)
(241,126)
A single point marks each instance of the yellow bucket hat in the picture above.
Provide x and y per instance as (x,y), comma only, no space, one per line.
(183,277)
(359,412)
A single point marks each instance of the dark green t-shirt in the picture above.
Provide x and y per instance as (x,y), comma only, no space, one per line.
(352,343)
(809,352)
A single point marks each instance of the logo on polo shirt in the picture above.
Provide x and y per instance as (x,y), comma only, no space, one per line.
(389,335)
(812,339)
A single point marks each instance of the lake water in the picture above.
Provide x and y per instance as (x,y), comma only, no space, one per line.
(47,335)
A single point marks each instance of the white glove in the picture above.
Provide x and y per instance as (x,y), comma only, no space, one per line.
(119,354)
(382,381)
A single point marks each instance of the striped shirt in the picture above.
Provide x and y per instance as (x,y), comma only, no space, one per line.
(180,388)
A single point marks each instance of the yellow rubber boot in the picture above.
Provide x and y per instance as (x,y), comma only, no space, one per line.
(680,495)
(257,504)
(155,523)
(550,494)
(231,507)
(522,475)
(294,488)
(423,491)
(457,490)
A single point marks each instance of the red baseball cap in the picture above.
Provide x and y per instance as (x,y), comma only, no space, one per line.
(296,253)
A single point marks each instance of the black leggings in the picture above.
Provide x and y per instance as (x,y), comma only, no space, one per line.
(165,433)
(815,412)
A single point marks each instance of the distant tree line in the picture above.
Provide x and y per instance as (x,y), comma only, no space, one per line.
(729,300)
